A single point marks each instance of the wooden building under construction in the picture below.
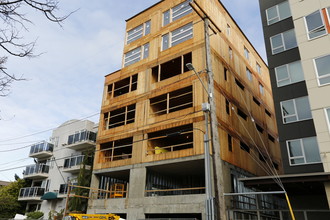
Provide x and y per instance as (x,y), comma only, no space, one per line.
(150,146)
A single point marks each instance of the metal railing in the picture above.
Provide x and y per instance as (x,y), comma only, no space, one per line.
(36,169)
(41,146)
(31,192)
(82,136)
(75,161)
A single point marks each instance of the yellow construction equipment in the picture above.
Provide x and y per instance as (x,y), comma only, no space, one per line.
(73,216)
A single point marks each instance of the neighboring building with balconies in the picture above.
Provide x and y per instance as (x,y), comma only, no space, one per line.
(57,162)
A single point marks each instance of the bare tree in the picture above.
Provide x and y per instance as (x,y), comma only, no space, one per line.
(11,39)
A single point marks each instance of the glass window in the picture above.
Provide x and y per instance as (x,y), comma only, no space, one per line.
(295,110)
(278,12)
(289,73)
(135,55)
(322,65)
(176,12)
(177,36)
(230,51)
(327,114)
(303,151)
(315,25)
(261,89)
(246,53)
(248,74)
(258,68)
(138,32)
(166,17)
(283,41)
(228,29)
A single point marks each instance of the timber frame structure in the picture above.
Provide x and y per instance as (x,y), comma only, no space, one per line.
(151,128)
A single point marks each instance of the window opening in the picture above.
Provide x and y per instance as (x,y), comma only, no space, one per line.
(256,101)
(169,140)
(241,114)
(227,107)
(119,117)
(172,101)
(230,143)
(244,147)
(171,68)
(239,84)
(117,150)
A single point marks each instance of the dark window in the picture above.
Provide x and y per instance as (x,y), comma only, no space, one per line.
(244,147)
(239,84)
(123,86)
(230,143)
(225,73)
(241,114)
(119,117)
(171,68)
(227,107)
(268,113)
(271,138)
(256,101)
(275,165)
(117,150)
(259,128)
(262,158)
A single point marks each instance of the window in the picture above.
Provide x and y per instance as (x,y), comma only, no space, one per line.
(255,100)
(176,12)
(278,12)
(230,143)
(261,89)
(246,53)
(119,117)
(177,36)
(225,73)
(327,114)
(244,147)
(116,150)
(171,68)
(135,55)
(123,86)
(296,110)
(322,65)
(172,101)
(248,74)
(227,107)
(315,24)
(283,41)
(289,73)
(230,52)
(303,151)
(241,114)
(239,84)
(258,68)
(228,29)
(138,32)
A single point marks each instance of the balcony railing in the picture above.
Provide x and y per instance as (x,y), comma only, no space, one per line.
(41,147)
(31,192)
(82,136)
(36,169)
(75,161)
(64,189)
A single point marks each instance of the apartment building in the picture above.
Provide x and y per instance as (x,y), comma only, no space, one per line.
(149,160)
(57,162)
(297,40)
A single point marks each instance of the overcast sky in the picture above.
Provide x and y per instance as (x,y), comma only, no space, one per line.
(66,81)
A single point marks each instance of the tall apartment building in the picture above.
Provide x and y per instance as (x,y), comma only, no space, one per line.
(298,48)
(57,162)
(149,160)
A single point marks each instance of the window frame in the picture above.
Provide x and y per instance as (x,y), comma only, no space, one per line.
(170,12)
(315,30)
(283,45)
(258,68)
(303,156)
(289,73)
(327,116)
(144,28)
(189,31)
(317,72)
(249,74)
(278,13)
(261,89)
(295,111)
(246,53)
(141,56)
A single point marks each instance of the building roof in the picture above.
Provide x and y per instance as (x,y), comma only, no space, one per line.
(4,183)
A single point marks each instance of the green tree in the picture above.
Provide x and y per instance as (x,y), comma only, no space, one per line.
(84,179)
(9,205)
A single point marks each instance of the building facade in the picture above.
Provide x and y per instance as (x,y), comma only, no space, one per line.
(149,160)
(297,40)
(57,162)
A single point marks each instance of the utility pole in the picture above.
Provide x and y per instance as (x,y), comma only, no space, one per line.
(217,162)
